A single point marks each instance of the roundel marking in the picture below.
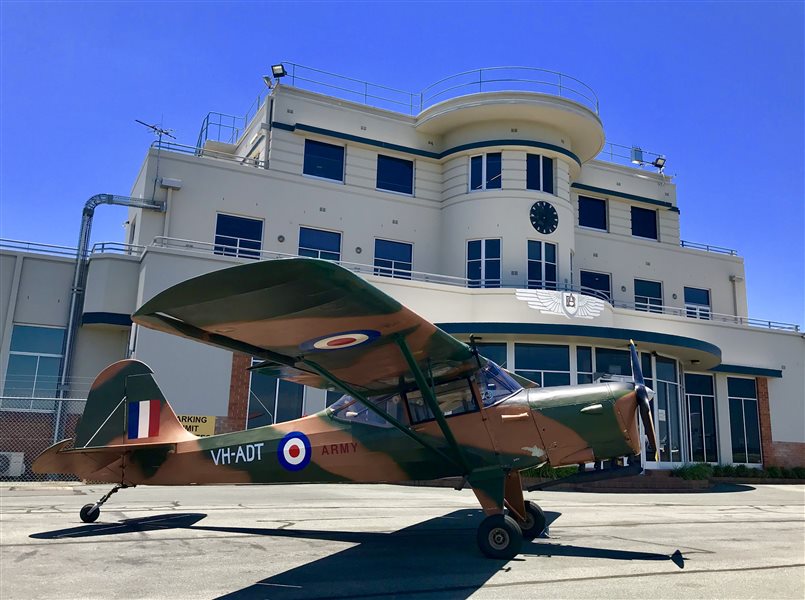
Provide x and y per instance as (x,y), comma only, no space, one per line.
(339,341)
(293,451)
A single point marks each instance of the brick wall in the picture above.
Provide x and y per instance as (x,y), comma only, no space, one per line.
(235,420)
(788,454)
(775,454)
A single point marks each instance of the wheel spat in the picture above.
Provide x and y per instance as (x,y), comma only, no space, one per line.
(642,393)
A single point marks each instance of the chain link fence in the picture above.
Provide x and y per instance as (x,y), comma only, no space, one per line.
(28,426)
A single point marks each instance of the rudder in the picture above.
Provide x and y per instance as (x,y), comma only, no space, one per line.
(126,407)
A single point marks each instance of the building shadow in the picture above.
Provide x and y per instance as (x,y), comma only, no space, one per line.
(436,557)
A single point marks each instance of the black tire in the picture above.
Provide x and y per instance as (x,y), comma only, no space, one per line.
(535,522)
(499,536)
(88,515)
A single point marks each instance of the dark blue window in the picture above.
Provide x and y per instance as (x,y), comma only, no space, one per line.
(395,174)
(494,352)
(644,223)
(238,236)
(317,243)
(393,259)
(593,213)
(648,295)
(539,173)
(34,366)
(744,422)
(701,417)
(483,263)
(324,160)
(544,364)
(596,284)
(697,303)
(485,171)
(541,265)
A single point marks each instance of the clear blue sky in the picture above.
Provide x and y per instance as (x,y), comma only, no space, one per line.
(717,87)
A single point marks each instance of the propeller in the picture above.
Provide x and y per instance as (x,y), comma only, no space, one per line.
(642,393)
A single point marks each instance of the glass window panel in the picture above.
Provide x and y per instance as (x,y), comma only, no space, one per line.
(395,174)
(320,240)
(739,387)
(534,250)
(593,213)
(596,282)
(699,384)
(262,400)
(492,269)
(332,398)
(542,357)
(534,271)
(696,432)
(674,428)
(752,431)
(38,340)
(324,160)
(584,378)
(737,430)
(535,376)
(47,377)
(644,222)
(533,175)
(547,175)
(493,248)
(493,165)
(710,439)
(663,432)
(20,375)
(550,275)
(550,252)
(474,270)
(239,227)
(395,251)
(476,172)
(697,296)
(666,369)
(645,364)
(474,250)
(649,289)
(554,379)
(289,401)
(494,352)
(584,359)
(614,362)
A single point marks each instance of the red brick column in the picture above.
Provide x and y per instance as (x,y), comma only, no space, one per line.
(764,414)
(235,419)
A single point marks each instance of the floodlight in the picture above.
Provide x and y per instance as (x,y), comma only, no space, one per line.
(278,70)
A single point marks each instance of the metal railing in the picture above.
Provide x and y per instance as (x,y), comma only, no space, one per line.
(201,151)
(117,248)
(708,248)
(195,246)
(37,248)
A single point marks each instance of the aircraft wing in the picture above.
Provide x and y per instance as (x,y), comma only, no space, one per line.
(295,311)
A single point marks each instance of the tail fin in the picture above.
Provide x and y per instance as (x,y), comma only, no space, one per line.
(126,407)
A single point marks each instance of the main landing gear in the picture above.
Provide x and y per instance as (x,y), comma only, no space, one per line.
(89,513)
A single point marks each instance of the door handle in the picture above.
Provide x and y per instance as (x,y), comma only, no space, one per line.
(520,417)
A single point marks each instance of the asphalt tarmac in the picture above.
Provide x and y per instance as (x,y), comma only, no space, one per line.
(380,541)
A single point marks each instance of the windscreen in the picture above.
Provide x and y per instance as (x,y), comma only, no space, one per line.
(495,384)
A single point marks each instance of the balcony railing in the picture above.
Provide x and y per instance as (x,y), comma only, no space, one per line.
(708,248)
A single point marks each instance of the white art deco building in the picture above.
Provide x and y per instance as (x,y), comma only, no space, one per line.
(494,208)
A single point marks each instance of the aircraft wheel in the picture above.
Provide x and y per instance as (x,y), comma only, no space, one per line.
(534,523)
(499,536)
(88,515)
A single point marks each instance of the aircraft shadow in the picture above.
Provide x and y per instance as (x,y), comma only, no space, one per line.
(436,557)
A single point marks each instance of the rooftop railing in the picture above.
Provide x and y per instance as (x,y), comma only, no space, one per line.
(708,248)
(36,247)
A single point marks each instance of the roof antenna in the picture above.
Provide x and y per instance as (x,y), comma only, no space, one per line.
(159,131)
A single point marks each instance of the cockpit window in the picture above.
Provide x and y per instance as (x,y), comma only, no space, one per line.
(495,384)
(349,409)
(454,397)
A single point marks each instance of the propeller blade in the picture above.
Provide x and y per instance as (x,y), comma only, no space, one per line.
(637,369)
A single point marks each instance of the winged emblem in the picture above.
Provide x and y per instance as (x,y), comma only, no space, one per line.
(569,304)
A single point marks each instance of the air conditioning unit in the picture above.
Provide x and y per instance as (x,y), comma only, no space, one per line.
(12,464)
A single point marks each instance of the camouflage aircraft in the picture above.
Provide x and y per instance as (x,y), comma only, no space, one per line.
(417,403)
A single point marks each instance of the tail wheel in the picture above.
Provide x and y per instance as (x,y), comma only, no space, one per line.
(89,514)
(535,521)
(499,536)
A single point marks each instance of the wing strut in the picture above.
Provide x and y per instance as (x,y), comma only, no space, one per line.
(430,399)
(347,389)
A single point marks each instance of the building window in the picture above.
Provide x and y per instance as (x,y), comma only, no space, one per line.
(483,263)
(324,160)
(485,171)
(238,236)
(317,243)
(273,400)
(543,364)
(393,259)
(541,265)
(644,223)
(592,213)
(596,284)
(539,173)
(701,403)
(744,421)
(34,366)
(494,352)
(648,295)
(584,364)
(668,410)
(332,398)
(697,303)
(395,174)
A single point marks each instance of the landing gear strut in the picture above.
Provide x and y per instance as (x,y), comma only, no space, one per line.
(535,521)
(90,512)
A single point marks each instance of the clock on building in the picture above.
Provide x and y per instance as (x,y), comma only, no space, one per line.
(544,217)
